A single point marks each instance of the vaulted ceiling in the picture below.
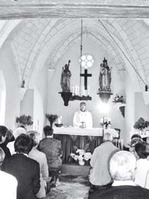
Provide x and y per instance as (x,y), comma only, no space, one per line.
(43,30)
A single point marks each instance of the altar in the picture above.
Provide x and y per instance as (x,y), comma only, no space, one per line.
(81,138)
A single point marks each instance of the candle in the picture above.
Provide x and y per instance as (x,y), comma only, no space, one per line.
(88,90)
(83,91)
(77,90)
(73,90)
(59,120)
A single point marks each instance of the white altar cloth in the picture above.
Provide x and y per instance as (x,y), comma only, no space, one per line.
(84,131)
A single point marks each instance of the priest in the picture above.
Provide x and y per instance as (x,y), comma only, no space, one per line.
(83,118)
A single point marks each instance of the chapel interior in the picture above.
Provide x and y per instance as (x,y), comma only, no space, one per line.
(38,37)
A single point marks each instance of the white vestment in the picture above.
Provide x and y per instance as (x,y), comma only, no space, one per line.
(84,117)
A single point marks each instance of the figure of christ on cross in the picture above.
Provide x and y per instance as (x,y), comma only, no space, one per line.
(85,75)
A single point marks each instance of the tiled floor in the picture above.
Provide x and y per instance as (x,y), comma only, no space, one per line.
(71,187)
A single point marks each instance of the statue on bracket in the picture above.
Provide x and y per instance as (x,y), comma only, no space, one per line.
(66,94)
(65,78)
(104,76)
(104,90)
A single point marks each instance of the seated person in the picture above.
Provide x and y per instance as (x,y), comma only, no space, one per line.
(3,143)
(18,131)
(135,138)
(83,117)
(10,136)
(142,164)
(25,169)
(52,148)
(99,172)
(122,169)
(8,183)
(40,157)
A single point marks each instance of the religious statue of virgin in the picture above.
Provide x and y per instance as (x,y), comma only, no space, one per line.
(104,76)
(65,78)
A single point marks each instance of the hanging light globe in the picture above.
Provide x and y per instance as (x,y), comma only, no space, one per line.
(86,61)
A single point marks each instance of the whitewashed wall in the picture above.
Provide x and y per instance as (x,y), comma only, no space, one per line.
(55,102)
(12,86)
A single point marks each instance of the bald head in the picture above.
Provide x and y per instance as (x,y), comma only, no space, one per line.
(122,166)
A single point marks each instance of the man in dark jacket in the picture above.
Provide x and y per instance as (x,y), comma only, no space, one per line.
(25,170)
(53,150)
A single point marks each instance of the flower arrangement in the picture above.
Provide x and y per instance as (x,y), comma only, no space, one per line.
(141,124)
(24,119)
(119,98)
(81,156)
(51,118)
(105,121)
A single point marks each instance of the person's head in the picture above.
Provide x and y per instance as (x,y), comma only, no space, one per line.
(135,138)
(83,106)
(48,131)
(22,126)
(10,136)
(23,144)
(34,135)
(18,131)
(2,156)
(140,150)
(3,134)
(107,137)
(122,166)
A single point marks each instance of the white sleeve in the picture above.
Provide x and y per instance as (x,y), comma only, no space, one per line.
(76,122)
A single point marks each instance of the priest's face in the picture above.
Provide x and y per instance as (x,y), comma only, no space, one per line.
(83,107)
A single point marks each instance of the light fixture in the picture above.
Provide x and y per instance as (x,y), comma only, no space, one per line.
(86,61)
(23,84)
(22,89)
(146,88)
(82,92)
(104,108)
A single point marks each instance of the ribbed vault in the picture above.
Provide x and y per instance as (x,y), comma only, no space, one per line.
(46,40)
(31,37)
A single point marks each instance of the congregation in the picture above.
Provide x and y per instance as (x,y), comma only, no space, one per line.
(74,98)
(29,167)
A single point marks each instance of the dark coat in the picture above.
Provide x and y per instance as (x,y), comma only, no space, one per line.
(120,192)
(27,173)
(52,148)
(5,149)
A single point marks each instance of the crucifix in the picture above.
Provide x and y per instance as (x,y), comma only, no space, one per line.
(85,75)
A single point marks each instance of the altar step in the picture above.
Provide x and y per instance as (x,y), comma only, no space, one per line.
(75,170)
